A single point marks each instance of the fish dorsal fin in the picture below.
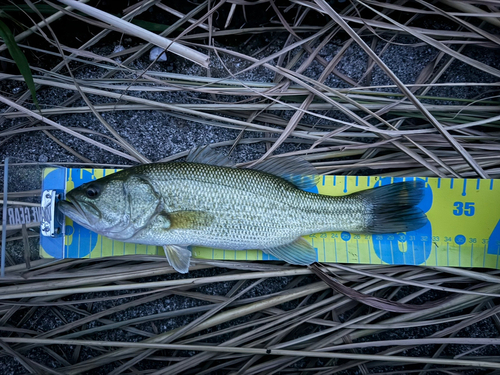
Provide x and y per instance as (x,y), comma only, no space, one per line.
(294,169)
(298,252)
(178,257)
(207,155)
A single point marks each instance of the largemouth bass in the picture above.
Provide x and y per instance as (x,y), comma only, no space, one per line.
(206,201)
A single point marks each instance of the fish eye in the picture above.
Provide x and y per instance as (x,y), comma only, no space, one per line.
(92,192)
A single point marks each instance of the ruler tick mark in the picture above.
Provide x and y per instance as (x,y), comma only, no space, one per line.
(380,247)
(436,252)
(448,254)
(413,251)
(484,255)
(471,254)
(425,254)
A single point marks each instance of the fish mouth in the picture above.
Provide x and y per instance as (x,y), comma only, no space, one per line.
(75,211)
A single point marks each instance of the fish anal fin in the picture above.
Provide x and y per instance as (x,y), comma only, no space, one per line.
(178,257)
(299,252)
(207,155)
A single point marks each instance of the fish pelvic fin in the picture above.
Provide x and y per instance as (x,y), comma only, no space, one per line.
(178,257)
(299,252)
(393,207)
(294,169)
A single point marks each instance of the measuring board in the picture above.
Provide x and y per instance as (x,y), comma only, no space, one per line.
(463,228)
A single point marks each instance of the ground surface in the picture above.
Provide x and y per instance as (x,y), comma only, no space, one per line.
(158,134)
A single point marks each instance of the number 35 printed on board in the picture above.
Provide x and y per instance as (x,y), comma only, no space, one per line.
(464,208)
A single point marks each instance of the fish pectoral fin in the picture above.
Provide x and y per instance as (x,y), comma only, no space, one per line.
(299,252)
(178,257)
(189,219)
(160,222)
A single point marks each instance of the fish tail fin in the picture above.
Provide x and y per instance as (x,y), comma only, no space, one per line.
(393,207)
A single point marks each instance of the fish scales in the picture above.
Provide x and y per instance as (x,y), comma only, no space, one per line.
(176,205)
(248,209)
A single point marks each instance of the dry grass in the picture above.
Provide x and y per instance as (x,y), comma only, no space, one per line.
(61,317)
